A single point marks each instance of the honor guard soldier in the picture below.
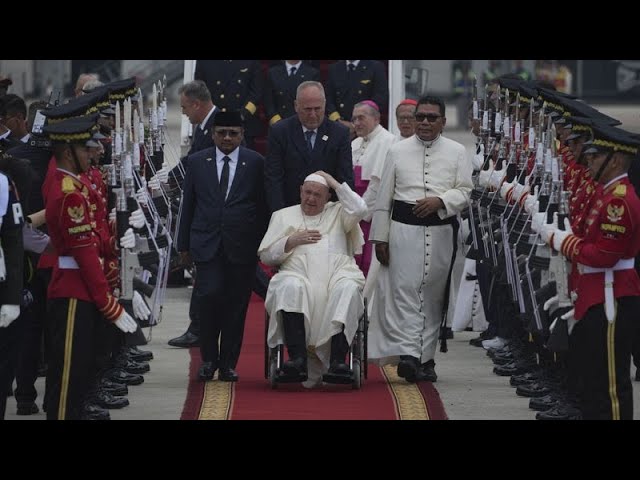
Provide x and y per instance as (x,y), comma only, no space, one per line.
(282,84)
(78,292)
(235,85)
(352,81)
(608,287)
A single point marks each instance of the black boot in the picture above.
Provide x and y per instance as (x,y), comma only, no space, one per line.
(408,368)
(339,349)
(295,339)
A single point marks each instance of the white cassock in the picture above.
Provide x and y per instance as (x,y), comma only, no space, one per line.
(407,311)
(321,280)
(369,153)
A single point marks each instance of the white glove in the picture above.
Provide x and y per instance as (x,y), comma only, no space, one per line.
(485,175)
(552,302)
(128,240)
(560,235)
(571,321)
(518,191)
(548,229)
(498,176)
(163,173)
(140,309)
(142,196)
(8,313)
(125,323)
(154,183)
(504,189)
(136,219)
(531,201)
(538,219)
(112,215)
(478,158)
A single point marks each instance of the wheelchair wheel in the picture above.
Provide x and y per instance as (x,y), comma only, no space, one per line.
(365,340)
(357,375)
(266,347)
(273,369)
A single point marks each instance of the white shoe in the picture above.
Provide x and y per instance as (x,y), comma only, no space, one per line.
(495,342)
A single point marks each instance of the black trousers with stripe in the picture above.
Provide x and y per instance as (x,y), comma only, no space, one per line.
(602,355)
(74,331)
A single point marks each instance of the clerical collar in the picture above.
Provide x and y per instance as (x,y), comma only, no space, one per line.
(428,144)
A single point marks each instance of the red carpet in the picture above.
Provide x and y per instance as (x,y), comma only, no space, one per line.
(253,399)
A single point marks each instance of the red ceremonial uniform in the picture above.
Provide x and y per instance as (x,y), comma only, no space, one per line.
(611,233)
(78,273)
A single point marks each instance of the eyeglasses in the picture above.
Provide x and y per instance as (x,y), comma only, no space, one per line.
(431,117)
(405,118)
(231,133)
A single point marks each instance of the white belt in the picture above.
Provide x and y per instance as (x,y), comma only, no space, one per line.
(67,263)
(609,304)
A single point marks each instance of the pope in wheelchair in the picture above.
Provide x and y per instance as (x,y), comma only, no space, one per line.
(315,300)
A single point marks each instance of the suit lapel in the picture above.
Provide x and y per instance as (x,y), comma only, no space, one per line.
(212,173)
(321,144)
(299,141)
(346,78)
(241,167)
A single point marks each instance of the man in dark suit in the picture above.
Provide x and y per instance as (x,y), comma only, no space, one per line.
(350,82)
(235,85)
(303,144)
(196,104)
(223,220)
(282,82)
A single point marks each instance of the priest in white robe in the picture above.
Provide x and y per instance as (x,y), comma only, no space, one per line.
(315,299)
(369,151)
(425,183)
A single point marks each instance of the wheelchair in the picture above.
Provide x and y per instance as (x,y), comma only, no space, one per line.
(357,358)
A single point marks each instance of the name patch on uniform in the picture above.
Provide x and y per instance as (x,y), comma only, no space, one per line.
(607,227)
(80,229)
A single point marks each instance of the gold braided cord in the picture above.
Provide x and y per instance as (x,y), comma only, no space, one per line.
(615,146)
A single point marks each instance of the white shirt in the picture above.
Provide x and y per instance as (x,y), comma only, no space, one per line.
(313,137)
(352,62)
(232,166)
(206,119)
(290,66)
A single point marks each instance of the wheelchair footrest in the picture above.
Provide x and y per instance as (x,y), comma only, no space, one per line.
(281,377)
(339,378)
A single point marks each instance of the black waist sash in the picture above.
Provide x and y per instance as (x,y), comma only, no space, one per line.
(403,213)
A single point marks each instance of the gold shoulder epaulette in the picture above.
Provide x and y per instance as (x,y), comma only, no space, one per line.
(67,185)
(620,190)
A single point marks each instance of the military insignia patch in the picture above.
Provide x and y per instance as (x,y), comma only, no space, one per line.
(67,185)
(620,191)
(76,214)
(365,81)
(614,214)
